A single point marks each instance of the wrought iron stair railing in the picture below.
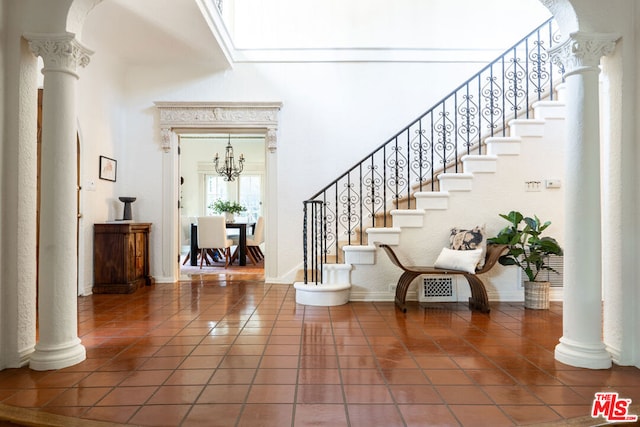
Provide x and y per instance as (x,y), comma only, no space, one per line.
(432,144)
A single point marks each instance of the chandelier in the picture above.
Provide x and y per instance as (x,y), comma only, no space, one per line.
(229,171)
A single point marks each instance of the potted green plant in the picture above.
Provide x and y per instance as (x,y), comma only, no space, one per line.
(227,207)
(528,250)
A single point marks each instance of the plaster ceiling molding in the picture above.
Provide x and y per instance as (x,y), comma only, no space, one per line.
(190,117)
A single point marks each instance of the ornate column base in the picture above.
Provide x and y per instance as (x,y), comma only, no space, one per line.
(594,356)
(60,356)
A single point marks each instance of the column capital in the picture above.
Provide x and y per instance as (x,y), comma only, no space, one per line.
(582,51)
(60,52)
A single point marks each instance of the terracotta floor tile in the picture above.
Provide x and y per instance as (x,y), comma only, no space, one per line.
(202,354)
(423,415)
(276,376)
(405,376)
(159,363)
(239,362)
(463,395)
(127,396)
(414,394)
(224,393)
(201,362)
(266,415)
(490,377)
(356,393)
(210,350)
(175,394)
(80,396)
(374,415)
(212,415)
(362,376)
(319,393)
(33,398)
(189,377)
(480,415)
(556,395)
(232,376)
(160,415)
(511,395)
(530,414)
(320,415)
(61,379)
(271,393)
(282,350)
(142,378)
(102,379)
(436,362)
(115,414)
(283,362)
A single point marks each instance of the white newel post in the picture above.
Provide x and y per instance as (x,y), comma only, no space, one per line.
(58,346)
(581,343)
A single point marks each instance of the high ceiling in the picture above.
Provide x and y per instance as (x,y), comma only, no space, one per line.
(151,32)
(169,31)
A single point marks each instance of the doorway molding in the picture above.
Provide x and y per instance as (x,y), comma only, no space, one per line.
(180,118)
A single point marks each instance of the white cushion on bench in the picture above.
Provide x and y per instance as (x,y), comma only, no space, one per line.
(459,260)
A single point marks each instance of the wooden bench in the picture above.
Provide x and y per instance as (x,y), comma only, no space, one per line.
(479,299)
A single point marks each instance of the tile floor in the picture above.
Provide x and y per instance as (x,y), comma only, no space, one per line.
(238,352)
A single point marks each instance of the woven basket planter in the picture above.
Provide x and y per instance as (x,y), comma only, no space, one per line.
(536,295)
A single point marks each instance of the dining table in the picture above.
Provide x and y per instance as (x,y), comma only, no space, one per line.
(242,241)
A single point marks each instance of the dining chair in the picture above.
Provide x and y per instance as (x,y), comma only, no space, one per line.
(212,235)
(185,223)
(253,242)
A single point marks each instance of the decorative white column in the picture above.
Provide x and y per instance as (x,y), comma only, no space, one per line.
(58,345)
(581,344)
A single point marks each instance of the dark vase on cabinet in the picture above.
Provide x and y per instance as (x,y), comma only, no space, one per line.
(121,257)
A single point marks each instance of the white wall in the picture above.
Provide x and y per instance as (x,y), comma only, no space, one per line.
(101,129)
(332,115)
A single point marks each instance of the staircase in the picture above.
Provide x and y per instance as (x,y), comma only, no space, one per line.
(489,147)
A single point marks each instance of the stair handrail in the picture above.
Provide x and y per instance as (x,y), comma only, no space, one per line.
(397,167)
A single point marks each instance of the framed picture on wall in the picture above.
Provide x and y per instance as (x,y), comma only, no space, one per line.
(108,168)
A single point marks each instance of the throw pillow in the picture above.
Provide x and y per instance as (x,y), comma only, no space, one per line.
(459,260)
(464,240)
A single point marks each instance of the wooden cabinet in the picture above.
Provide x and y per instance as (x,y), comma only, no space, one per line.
(121,257)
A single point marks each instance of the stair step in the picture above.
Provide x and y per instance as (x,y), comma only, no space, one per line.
(363,255)
(408,217)
(527,127)
(386,235)
(322,295)
(476,163)
(456,181)
(432,200)
(504,145)
(549,110)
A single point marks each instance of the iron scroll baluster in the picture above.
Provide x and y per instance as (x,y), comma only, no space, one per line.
(458,124)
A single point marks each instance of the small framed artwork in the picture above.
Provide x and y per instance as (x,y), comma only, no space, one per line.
(108,168)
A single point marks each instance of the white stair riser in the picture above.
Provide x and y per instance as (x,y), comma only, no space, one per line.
(336,273)
(504,146)
(408,218)
(456,181)
(480,164)
(438,200)
(527,128)
(388,236)
(359,255)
